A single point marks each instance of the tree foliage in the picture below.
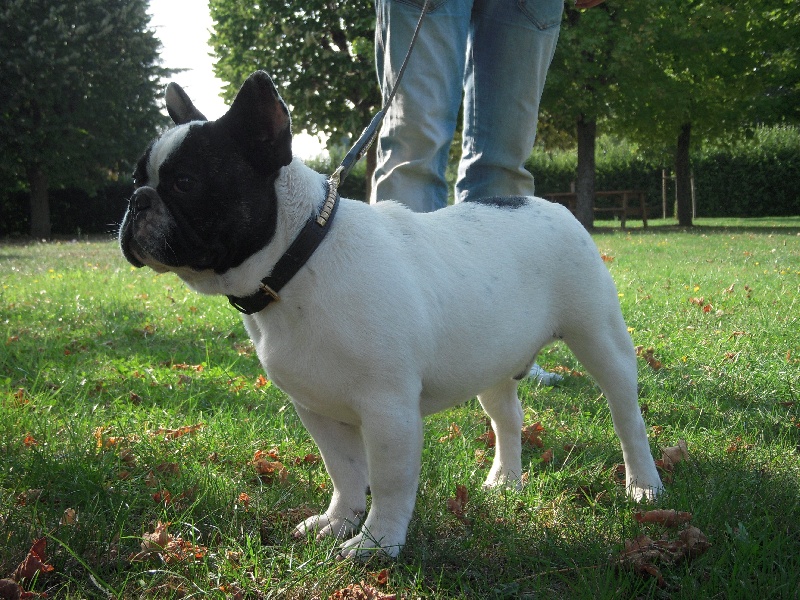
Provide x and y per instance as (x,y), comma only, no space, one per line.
(78,93)
(669,72)
(320,53)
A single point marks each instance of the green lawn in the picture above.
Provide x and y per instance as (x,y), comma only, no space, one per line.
(132,401)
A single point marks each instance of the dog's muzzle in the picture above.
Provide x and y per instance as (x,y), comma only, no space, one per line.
(140,201)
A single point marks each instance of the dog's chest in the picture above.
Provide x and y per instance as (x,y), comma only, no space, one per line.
(300,362)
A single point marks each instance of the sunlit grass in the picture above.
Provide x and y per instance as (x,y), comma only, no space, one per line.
(99,362)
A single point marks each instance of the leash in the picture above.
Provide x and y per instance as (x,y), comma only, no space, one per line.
(367,137)
(317,227)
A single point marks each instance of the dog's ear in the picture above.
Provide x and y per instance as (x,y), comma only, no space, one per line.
(180,107)
(260,123)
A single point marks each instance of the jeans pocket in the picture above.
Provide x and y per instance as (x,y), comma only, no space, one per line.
(542,13)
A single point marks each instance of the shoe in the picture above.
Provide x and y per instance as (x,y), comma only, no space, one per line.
(543,377)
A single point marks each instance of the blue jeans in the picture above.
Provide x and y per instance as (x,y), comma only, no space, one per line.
(493,52)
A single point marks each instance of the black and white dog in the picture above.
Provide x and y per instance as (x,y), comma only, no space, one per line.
(395,316)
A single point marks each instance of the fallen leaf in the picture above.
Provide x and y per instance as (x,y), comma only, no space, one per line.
(170,548)
(308,459)
(737,445)
(272,454)
(547,456)
(360,591)
(34,563)
(562,370)
(530,435)
(171,434)
(674,454)
(169,468)
(487,438)
(481,460)
(70,517)
(269,471)
(642,553)
(9,589)
(454,431)
(458,505)
(665,517)
(648,355)
(164,496)
(381,577)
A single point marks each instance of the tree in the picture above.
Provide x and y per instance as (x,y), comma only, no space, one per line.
(79,92)
(320,53)
(706,69)
(583,79)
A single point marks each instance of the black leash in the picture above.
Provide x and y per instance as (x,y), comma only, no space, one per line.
(315,229)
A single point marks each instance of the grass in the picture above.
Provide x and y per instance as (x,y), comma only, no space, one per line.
(101,365)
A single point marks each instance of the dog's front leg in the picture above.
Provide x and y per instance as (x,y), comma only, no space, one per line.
(394,449)
(342,450)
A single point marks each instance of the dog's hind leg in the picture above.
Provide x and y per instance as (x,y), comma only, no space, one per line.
(607,353)
(342,450)
(502,405)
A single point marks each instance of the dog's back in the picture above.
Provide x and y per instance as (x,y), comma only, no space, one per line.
(468,295)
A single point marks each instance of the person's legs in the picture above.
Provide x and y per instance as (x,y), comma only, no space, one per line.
(509,51)
(418,129)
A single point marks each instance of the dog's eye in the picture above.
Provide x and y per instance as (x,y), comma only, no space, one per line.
(183,184)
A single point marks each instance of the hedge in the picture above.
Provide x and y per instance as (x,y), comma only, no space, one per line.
(754,177)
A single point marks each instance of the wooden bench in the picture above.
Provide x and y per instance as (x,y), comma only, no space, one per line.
(617,203)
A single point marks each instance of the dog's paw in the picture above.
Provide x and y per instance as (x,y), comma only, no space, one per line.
(502,478)
(323,526)
(364,547)
(644,493)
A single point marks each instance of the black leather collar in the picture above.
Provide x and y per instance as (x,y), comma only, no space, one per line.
(298,253)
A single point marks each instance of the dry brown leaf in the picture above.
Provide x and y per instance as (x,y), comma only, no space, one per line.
(9,589)
(381,577)
(487,438)
(648,354)
(547,456)
(665,517)
(269,471)
(481,460)
(168,468)
(34,563)
(360,591)
(458,505)
(453,432)
(562,370)
(674,454)
(531,433)
(642,553)
(70,517)
(171,434)
(171,549)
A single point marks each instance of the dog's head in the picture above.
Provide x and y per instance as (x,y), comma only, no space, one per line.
(205,193)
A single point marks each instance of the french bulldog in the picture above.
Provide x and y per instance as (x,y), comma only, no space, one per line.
(391,316)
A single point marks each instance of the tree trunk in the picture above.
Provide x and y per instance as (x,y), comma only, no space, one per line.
(683,183)
(40,202)
(584,206)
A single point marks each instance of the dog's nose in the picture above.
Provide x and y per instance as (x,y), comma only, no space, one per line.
(139,201)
